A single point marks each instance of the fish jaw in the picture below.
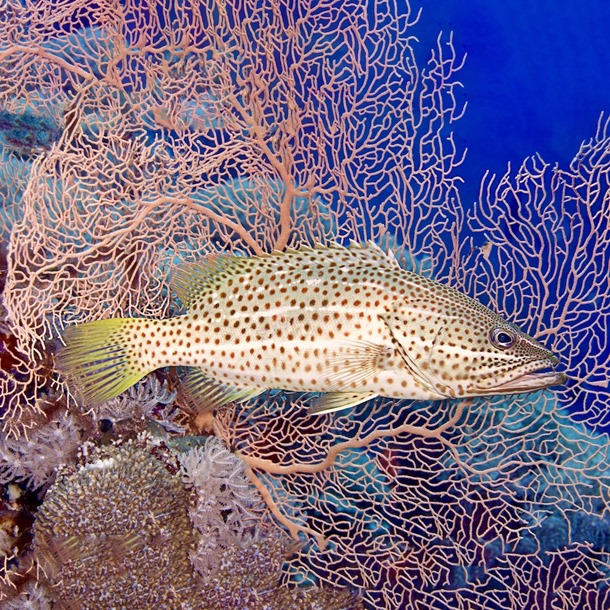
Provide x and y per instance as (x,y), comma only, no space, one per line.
(525,382)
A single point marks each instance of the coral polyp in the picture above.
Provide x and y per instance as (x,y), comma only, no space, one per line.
(117,534)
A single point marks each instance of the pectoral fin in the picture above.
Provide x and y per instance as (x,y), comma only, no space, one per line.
(353,363)
(335,401)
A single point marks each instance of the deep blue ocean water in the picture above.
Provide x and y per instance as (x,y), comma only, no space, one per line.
(536,77)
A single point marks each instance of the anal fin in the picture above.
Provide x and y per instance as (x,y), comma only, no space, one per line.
(207,394)
(335,401)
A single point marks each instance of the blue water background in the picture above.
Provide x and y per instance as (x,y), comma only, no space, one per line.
(536,77)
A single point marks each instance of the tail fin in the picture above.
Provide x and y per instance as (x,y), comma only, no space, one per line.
(98,359)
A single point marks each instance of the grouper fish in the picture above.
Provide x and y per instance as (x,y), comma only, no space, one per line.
(346,322)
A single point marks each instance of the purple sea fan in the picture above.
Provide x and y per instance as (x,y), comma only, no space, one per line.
(545,263)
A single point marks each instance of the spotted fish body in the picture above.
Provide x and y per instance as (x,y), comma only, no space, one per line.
(348,322)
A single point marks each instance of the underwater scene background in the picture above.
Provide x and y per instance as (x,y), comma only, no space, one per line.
(137,136)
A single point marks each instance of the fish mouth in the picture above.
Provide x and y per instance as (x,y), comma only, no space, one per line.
(525,383)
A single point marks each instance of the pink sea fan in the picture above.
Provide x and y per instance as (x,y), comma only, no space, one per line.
(211,126)
(183,140)
(484,504)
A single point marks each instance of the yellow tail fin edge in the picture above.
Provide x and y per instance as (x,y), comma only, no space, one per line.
(98,361)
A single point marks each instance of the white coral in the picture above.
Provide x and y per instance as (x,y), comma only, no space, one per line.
(33,597)
(33,459)
(143,400)
(228,509)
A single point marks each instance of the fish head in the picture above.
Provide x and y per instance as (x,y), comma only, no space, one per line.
(456,347)
(488,356)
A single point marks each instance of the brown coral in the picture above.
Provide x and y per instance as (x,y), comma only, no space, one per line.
(248,577)
(117,534)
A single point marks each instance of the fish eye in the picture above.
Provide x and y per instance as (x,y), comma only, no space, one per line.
(502,338)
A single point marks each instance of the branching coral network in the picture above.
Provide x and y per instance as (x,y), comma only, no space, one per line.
(185,133)
(136,137)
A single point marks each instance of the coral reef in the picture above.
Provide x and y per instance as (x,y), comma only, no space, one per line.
(479,513)
(148,404)
(117,534)
(33,597)
(247,577)
(134,139)
(228,509)
(50,443)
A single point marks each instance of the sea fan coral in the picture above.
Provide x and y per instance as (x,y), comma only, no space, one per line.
(546,262)
(241,125)
(207,126)
(117,534)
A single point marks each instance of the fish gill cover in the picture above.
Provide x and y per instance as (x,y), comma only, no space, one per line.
(137,138)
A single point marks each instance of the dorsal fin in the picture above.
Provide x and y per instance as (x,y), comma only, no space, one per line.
(193,280)
(374,253)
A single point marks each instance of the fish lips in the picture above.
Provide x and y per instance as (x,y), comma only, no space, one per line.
(522,384)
